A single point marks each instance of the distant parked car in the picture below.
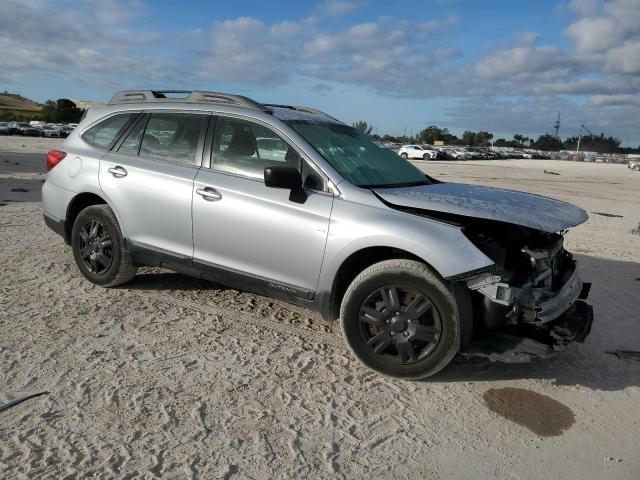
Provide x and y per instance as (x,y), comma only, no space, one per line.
(416,151)
(477,153)
(65,130)
(4,128)
(634,165)
(492,155)
(25,129)
(47,131)
(458,154)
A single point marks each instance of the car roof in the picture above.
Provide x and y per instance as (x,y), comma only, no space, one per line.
(215,102)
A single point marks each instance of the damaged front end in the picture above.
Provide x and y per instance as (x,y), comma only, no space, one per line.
(531,303)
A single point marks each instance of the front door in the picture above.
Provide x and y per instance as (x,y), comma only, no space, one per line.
(246,229)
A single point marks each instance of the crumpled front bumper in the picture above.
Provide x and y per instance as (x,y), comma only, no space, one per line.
(547,310)
(522,344)
(536,320)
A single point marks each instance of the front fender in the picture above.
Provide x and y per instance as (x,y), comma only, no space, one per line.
(355,226)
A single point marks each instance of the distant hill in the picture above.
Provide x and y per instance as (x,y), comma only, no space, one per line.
(13,101)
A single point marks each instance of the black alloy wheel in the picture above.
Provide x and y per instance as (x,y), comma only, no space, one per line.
(400,323)
(96,250)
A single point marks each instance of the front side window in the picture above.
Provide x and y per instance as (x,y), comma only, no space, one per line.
(106,132)
(354,155)
(172,137)
(245,148)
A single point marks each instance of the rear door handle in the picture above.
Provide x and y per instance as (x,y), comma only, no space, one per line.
(117,171)
(209,194)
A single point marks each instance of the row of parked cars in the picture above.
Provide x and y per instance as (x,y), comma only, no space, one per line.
(429,152)
(38,129)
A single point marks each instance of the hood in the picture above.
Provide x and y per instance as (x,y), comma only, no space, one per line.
(476,201)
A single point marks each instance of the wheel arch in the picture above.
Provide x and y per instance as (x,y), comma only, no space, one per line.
(363,258)
(76,205)
(355,263)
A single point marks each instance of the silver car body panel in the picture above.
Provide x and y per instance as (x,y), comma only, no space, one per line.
(257,231)
(520,208)
(153,200)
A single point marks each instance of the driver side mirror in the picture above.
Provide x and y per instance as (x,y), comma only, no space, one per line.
(288,178)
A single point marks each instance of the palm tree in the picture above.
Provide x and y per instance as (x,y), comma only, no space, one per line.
(363,127)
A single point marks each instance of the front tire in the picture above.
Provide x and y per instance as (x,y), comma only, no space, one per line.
(99,249)
(404,155)
(401,320)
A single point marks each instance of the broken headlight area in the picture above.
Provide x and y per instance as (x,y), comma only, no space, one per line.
(530,304)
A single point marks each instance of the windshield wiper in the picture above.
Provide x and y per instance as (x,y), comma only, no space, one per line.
(396,185)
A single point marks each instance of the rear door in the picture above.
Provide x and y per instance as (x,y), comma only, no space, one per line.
(148,179)
(250,231)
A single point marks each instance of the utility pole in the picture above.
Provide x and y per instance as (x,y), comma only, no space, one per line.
(556,126)
(580,136)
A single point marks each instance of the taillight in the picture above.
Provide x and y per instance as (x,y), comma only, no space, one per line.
(54,157)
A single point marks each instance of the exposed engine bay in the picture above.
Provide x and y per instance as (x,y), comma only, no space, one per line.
(531,299)
(530,303)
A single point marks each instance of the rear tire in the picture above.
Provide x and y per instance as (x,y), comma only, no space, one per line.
(99,249)
(411,334)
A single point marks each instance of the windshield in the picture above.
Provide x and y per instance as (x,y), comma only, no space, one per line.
(356,157)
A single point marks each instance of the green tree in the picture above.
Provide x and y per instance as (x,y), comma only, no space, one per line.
(431,134)
(594,143)
(363,127)
(484,138)
(61,111)
(547,142)
(469,138)
(519,139)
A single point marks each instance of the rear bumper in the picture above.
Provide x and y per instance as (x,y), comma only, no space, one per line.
(57,225)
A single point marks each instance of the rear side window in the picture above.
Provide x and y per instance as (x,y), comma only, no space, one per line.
(131,144)
(106,132)
(172,137)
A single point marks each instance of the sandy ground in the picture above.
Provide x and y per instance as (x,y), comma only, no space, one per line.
(177,378)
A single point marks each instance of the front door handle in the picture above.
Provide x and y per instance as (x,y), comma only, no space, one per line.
(209,194)
(117,171)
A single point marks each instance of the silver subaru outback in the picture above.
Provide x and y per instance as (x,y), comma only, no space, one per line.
(289,202)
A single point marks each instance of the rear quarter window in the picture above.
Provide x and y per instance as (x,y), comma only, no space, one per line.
(105,133)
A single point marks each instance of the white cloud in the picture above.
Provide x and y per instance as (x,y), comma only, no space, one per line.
(619,99)
(374,54)
(584,7)
(37,41)
(95,42)
(338,7)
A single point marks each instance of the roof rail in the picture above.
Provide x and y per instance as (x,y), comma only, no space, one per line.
(316,112)
(190,96)
(300,108)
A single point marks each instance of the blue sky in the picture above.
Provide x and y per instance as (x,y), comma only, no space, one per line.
(503,66)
